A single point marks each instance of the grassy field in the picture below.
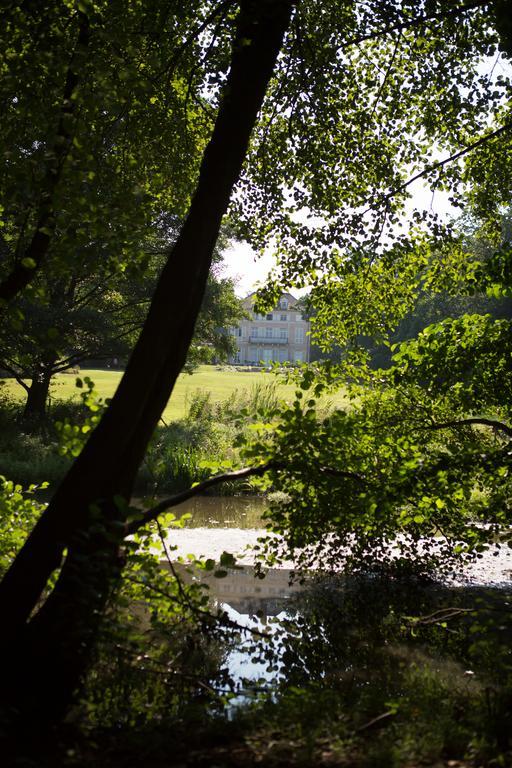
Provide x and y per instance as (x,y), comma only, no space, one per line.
(221,383)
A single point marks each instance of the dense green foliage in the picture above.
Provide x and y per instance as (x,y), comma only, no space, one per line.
(104,174)
(108,108)
(423,452)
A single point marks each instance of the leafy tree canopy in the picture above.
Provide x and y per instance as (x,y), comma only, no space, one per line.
(361,99)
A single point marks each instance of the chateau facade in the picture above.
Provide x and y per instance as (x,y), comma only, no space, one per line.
(279,336)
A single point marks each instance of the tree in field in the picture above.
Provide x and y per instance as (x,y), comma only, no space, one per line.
(99,147)
(82,317)
(354,100)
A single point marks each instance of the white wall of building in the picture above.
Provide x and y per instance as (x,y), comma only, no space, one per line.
(279,336)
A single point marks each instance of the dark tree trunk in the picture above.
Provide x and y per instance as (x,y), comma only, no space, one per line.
(37,397)
(51,649)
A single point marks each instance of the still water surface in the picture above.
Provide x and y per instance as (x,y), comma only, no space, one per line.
(224,512)
(297,618)
(234,524)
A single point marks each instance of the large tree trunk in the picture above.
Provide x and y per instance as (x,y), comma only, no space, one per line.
(51,649)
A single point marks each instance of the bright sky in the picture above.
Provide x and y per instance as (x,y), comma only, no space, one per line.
(245,267)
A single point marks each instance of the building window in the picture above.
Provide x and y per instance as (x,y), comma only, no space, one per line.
(282,333)
(298,316)
(268,333)
(284,318)
(299,335)
(283,303)
(270,316)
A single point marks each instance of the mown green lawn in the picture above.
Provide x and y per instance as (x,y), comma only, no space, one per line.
(220,382)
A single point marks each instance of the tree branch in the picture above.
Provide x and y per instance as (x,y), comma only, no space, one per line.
(386,76)
(450,159)
(178,498)
(493,423)
(239,474)
(442,614)
(221,10)
(408,24)
(14,374)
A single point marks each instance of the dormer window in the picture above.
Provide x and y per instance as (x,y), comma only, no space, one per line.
(283,303)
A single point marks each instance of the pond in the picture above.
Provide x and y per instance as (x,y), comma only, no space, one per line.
(363,671)
(239,512)
(234,524)
(276,603)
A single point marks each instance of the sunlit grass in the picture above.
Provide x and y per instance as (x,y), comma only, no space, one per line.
(220,382)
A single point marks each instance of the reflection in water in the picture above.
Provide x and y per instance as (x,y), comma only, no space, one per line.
(421,670)
(234,524)
(340,628)
(244,592)
(256,604)
(359,643)
(212,542)
(218,524)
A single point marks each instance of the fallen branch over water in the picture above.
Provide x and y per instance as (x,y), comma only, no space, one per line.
(238,474)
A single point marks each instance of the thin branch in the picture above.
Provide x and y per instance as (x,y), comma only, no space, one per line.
(204,58)
(238,474)
(92,293)
(386,76)
(88,354)
(178,498)
(376,720)
(473,420)
(442,614)
(166,670)
(333,472)
(12,371)
(124,307)
(183,594)
(403,25)
(202,614)
(222,9)
(450,159)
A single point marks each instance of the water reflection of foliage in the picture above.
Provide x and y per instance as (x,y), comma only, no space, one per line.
(363,663)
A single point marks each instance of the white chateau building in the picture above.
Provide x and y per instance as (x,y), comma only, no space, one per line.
(279,336)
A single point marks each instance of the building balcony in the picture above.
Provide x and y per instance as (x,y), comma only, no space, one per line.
(265,340)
